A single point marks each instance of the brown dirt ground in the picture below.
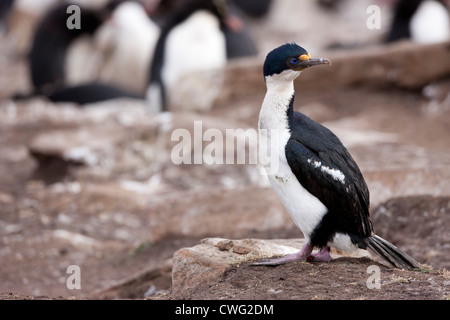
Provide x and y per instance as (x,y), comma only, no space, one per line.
(341,279)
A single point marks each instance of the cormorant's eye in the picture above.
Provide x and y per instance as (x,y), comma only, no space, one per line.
(293,61)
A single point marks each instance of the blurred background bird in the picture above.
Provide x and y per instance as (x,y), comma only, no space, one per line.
(133,47)
(422,21)
(128,47)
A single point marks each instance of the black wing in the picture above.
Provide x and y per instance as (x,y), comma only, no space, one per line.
(326,169)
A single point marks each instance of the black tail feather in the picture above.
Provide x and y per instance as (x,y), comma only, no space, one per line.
(391,253)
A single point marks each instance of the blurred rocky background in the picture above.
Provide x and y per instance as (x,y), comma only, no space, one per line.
(94,185)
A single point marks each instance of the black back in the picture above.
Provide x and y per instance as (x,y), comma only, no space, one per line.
(348,202)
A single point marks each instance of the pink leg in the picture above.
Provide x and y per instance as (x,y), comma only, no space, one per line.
(323,255)
(301,255)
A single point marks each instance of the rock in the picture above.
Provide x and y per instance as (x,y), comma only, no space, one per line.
(207,272)
(90,138)
(403,64)
(208,261)
(106,142)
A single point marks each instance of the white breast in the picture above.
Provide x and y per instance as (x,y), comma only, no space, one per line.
(194,45)
(305,210)
(135,37)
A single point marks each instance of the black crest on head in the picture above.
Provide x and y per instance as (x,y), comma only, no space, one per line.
(277,60)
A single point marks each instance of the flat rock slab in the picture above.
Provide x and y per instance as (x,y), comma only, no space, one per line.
(208,261)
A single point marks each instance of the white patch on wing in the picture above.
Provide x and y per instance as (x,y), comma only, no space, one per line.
(315,163)
(335,173)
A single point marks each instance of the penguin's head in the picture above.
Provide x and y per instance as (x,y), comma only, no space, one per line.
(289,59)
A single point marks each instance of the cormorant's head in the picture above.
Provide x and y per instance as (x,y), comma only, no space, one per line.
(289,59)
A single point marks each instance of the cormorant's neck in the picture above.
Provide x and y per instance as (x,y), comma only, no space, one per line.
(280,87)
(277,107)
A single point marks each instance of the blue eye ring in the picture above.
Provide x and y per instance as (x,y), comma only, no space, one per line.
(293,61)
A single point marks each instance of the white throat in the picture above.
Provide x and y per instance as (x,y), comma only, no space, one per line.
(280,90)
(273,122)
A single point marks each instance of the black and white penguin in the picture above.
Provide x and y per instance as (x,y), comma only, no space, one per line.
(193,38)
(422,21)
(316,178)
(128,39)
